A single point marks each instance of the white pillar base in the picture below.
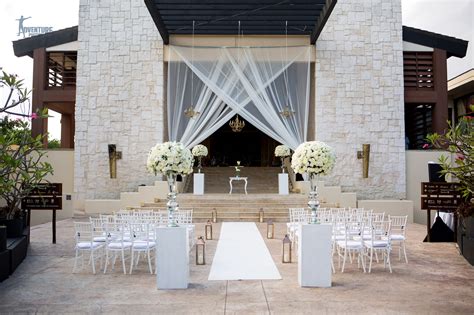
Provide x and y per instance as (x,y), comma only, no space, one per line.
(283,184)
(172,258)
(198,188)
(314,259)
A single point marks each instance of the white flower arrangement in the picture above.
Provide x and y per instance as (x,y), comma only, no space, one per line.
(199,150)
(314,157)
(170,157)
(282,151)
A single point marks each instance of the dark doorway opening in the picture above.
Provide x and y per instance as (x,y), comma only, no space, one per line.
(250,146)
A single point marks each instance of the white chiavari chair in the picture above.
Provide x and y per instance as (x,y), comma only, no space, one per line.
(379,243)
(397,235)
(349,242)
(84,238)
(142,241)
(118,241)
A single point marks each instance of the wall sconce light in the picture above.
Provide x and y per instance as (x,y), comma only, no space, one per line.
(261,215)
(365,156)
(200,251)
(214,216)
(114,155)
(270,229)
(208,230)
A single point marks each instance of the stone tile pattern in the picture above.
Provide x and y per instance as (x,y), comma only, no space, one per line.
(359,95)
(119,96)
(436,280)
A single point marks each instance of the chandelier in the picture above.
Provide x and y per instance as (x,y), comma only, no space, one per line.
(190,112)
(287,112)
(236,124)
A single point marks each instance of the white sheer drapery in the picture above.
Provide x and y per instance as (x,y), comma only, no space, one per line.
(258,83)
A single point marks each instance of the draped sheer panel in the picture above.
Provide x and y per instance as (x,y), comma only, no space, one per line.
(258,83)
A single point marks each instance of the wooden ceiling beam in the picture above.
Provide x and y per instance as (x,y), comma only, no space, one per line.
(156,16)
(322,19)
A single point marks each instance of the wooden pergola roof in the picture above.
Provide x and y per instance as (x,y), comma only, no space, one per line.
(257,17)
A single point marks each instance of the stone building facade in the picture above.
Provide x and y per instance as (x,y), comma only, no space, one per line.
(359,95)
(120,95)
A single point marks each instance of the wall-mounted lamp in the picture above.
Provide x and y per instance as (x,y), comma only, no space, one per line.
(365,156)
(114,155)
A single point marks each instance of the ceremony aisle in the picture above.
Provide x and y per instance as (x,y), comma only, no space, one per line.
(241,254)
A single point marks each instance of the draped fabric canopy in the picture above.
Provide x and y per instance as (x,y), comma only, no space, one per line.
(258,83)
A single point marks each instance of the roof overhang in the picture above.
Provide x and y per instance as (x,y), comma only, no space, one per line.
(453,46)
(221,17)
(462,84)
(26,46)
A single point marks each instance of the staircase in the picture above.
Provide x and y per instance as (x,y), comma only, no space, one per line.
(236,207)
(262,194)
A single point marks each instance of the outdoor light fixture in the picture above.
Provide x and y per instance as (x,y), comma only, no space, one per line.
(208,230)
(365,156)
(214,216)
(200,251)
(190,112)
(287,112)
(286,256)
(260,215)
(270,229)
(236,124)
(114,155)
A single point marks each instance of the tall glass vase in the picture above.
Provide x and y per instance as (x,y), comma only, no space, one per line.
(313,202)
(282,164)
(199,163)
(172,204)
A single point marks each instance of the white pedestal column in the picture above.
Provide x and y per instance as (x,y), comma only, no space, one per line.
(198,184)
(172,258)
(283,184)
(314,260)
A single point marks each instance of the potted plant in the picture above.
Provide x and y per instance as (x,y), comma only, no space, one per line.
(459,141)
(21,165)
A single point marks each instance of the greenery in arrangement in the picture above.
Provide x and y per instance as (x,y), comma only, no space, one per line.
(21,165)
(459,141)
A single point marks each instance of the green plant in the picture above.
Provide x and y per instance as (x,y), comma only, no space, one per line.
(21,165)
(459,141)
(54,144)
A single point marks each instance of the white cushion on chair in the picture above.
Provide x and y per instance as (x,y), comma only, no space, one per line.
(143,245)
(397,237)
(350,244)
(379,243)
(118,245)
(100,239)
(88,245)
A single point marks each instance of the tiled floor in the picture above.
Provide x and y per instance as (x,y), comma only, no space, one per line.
(437,280)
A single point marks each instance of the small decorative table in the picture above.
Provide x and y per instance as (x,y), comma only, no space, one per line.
(231,179)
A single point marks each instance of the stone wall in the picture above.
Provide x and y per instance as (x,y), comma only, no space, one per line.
(119,96)
(359,95)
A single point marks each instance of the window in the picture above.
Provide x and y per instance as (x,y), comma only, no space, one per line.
(418,119)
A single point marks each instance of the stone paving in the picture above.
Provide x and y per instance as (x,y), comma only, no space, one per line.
(436,280)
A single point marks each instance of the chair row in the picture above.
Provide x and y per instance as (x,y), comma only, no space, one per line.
(121,235)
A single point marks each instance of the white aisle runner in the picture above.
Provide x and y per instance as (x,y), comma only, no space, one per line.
(241,254)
